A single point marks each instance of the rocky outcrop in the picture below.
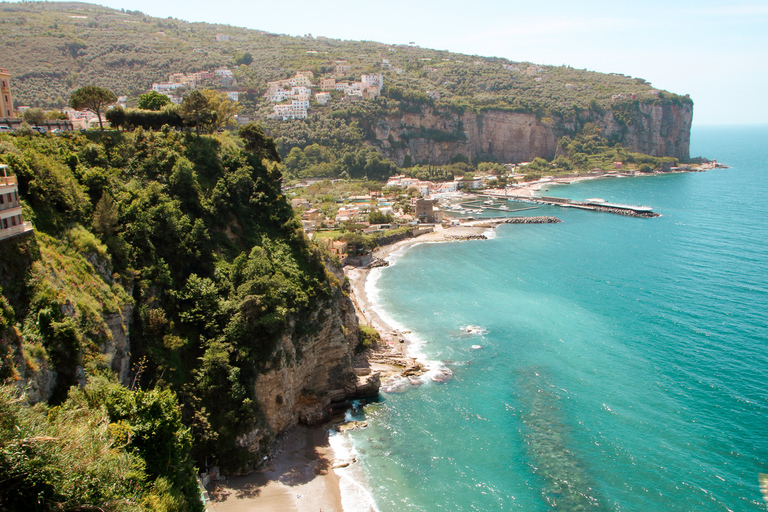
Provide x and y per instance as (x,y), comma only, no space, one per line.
(437,137)
(315,376)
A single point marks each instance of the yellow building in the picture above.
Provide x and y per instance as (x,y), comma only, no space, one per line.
(6,99)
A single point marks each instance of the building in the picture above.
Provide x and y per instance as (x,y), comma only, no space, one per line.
(322,97)
(343,68)
(166,87)
(221,37)
(6,99)
(233,95)
(327,84)
(373,80)
(424,210)
(11,223)
(302,81)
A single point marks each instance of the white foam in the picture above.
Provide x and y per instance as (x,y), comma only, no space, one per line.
(436,370)
(490,233)
(355,496)
(474,330)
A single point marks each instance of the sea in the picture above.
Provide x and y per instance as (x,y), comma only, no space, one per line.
(603,363)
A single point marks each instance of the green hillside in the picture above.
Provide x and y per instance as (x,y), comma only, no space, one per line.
(52,48)
(187,243)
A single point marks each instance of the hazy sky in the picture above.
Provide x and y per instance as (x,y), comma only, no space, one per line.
(716,51)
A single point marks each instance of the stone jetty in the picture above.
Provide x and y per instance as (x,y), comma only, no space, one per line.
(542,219)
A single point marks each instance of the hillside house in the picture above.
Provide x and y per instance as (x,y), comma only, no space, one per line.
(328,84)
(342,68)
(6,98)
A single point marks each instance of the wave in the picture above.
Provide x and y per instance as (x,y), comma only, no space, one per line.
(355,495)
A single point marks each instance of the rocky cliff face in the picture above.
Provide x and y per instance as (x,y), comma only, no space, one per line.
(315,370)
(436,137)
(314,377)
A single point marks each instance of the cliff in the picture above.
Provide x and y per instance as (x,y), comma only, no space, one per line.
(312,375)
(436,137)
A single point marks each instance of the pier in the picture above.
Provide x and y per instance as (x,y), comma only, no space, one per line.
(594,204)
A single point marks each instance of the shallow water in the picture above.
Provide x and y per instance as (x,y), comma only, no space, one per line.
(621,364)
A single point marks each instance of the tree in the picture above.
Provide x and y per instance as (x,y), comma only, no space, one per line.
(92,98)
(244,58)
(196,111)
(116,116)
(224,109)
(257,143)
(153,100)
(34,116)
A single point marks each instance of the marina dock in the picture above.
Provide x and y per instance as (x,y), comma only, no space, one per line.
(594,204)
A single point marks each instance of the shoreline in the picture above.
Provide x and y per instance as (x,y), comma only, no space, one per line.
(400,368)
(305,474)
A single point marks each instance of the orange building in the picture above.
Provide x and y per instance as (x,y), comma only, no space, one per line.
(6,99)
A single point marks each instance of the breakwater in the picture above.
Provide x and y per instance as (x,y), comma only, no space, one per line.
(541,219)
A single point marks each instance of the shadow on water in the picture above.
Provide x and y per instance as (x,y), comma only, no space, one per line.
(567,483)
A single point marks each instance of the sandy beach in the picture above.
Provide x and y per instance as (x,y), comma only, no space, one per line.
(300,479)
(366,313)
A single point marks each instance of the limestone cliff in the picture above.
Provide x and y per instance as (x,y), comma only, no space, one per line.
(436,137)
(315,370)
(312,376)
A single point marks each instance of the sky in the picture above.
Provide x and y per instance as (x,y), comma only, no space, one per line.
(714,50)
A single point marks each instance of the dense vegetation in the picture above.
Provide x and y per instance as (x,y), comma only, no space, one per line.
(190,240)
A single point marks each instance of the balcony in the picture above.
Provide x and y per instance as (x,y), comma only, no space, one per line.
(7,181)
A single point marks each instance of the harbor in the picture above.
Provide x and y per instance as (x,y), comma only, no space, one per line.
(593,204)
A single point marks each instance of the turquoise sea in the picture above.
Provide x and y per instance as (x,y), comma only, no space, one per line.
(613,363)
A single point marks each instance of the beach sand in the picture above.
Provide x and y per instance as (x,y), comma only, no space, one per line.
(301,477)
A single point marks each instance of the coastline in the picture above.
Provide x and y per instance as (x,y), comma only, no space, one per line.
(305,473)
(400,367)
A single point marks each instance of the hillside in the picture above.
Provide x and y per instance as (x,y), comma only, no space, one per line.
(435,106)
(169,293)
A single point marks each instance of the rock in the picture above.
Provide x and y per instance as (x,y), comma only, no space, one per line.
(368,385)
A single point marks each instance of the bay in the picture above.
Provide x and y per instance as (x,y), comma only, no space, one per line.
(615,363)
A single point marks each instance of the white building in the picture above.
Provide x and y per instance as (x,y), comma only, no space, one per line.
(373,80)
(166,87)
(277,95)
(323,97)
(295,91)
(233,95)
